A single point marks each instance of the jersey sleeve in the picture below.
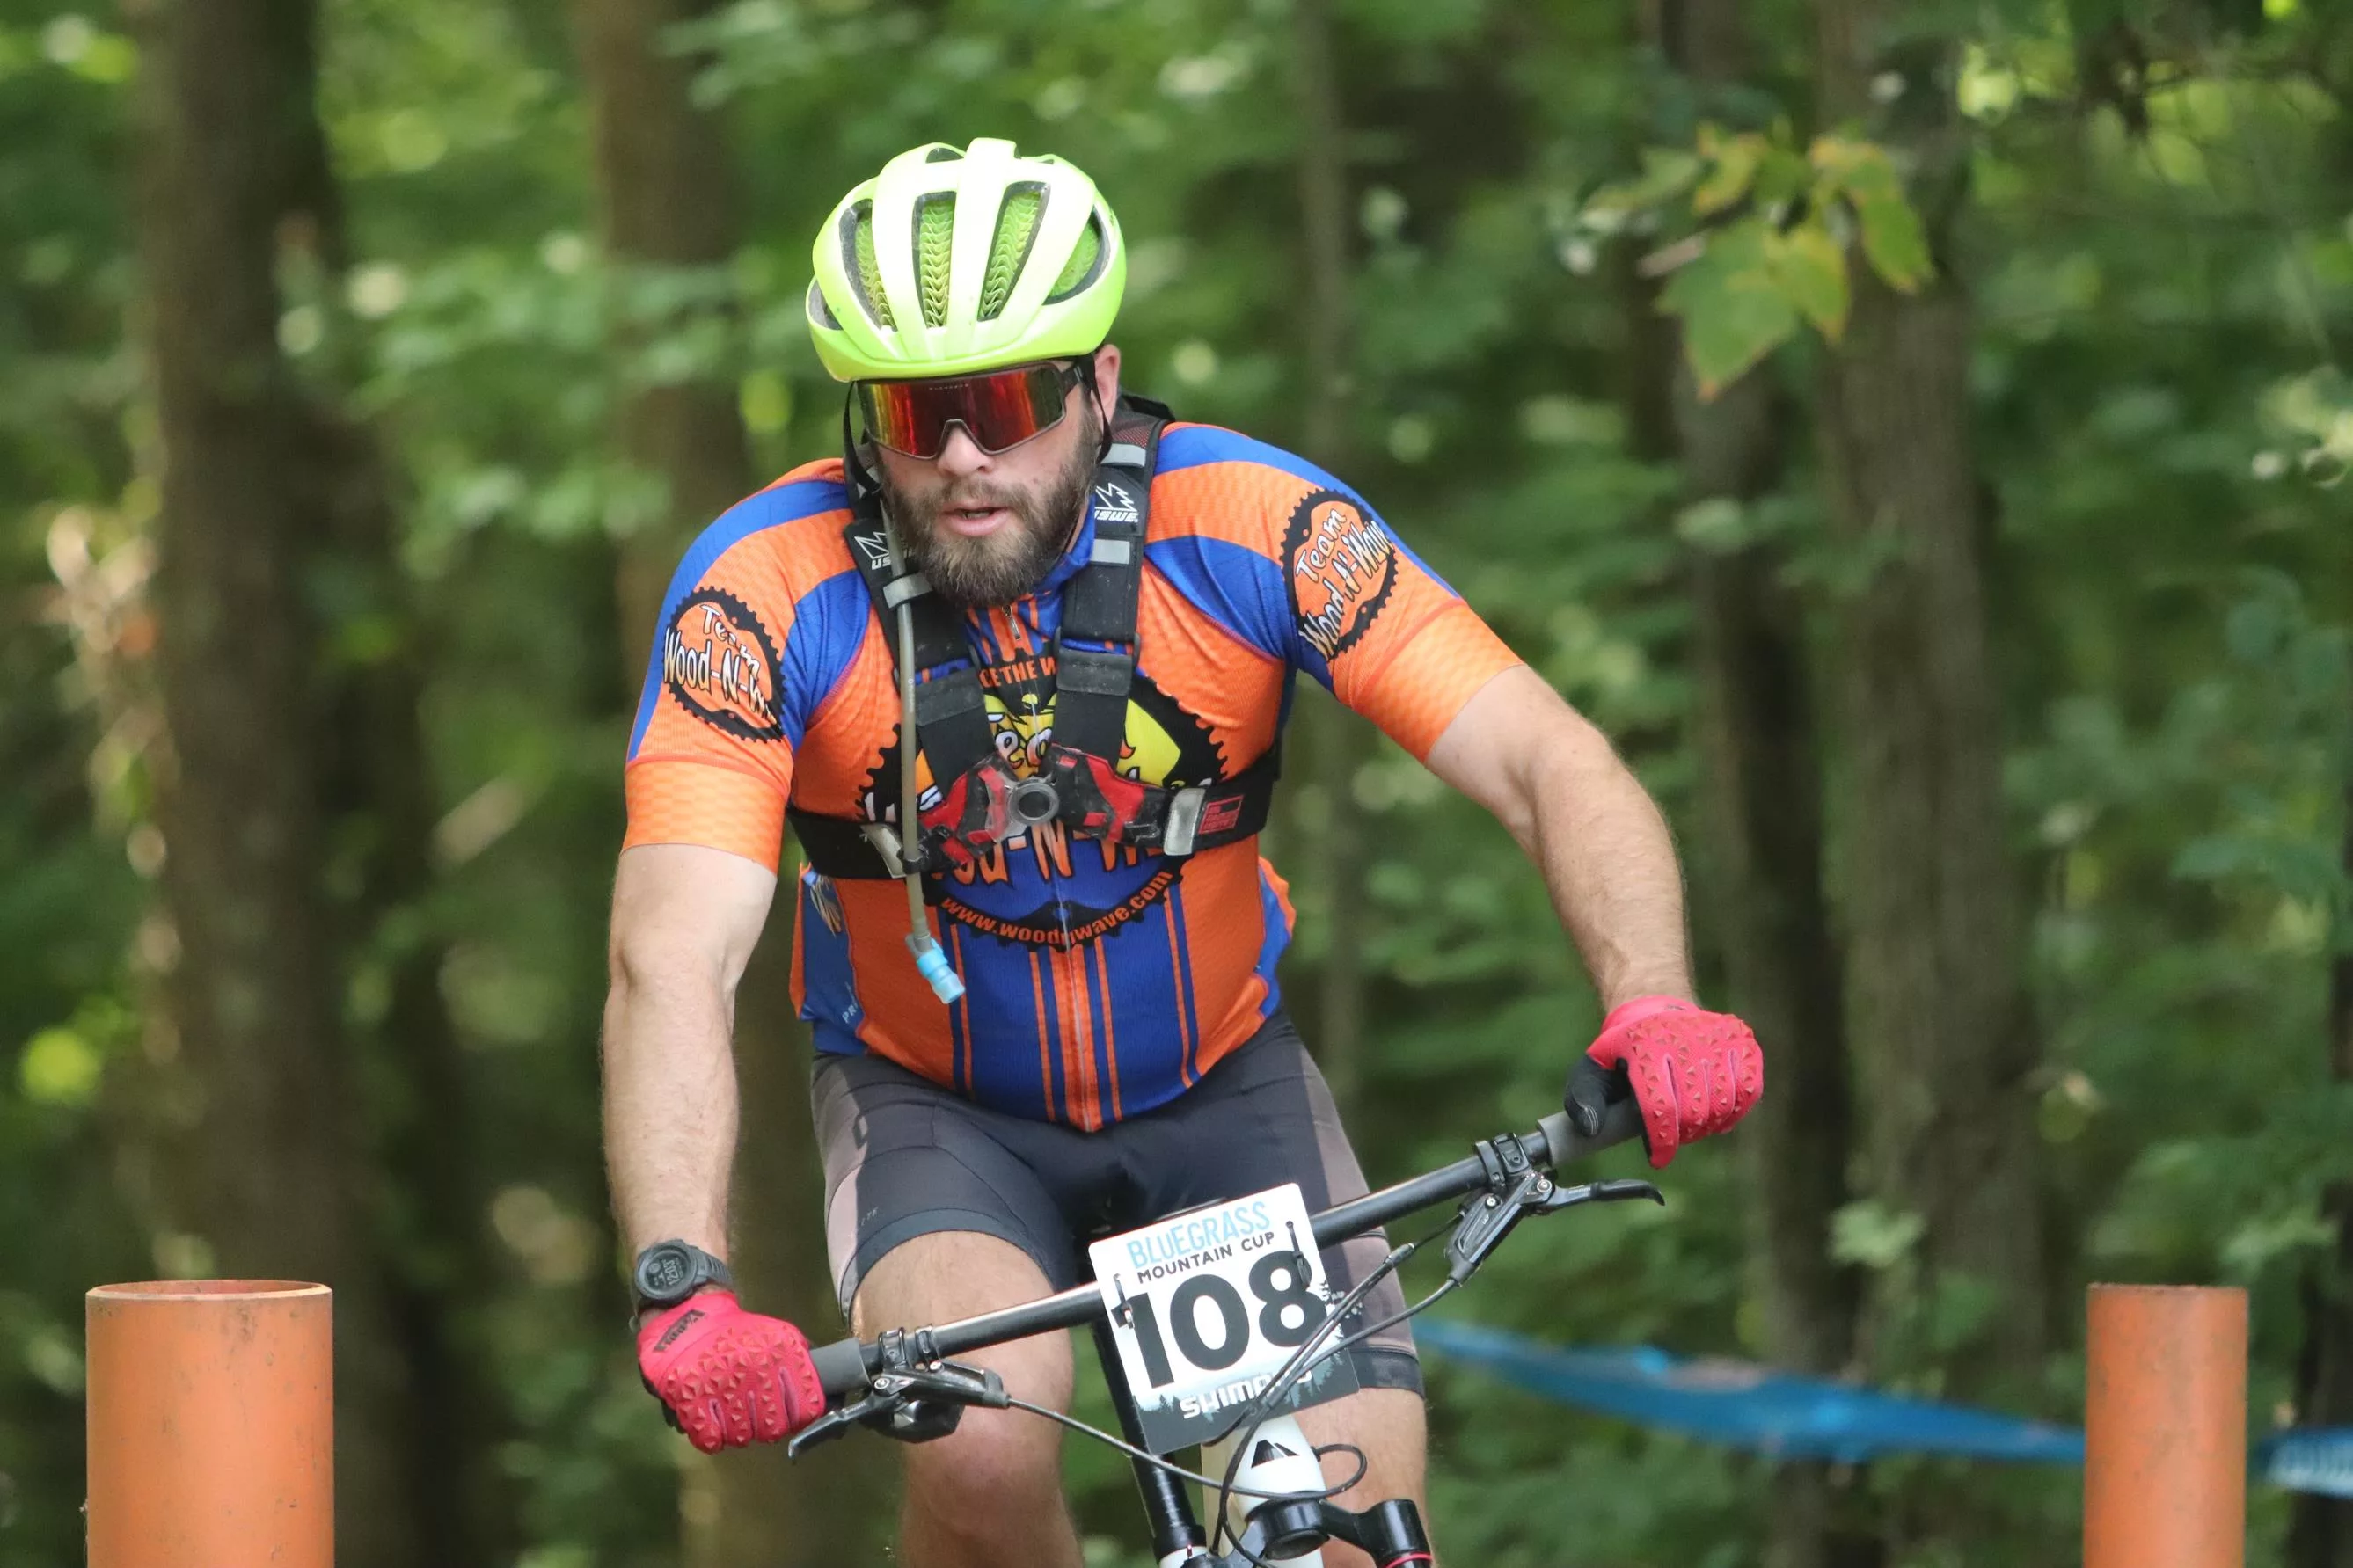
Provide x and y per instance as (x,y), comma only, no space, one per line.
(730,688)
(1381,630)
(1293,563)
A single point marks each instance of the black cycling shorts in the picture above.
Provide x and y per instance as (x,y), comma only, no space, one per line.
(906,1157)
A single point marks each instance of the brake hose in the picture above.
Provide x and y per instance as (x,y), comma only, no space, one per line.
(931,963)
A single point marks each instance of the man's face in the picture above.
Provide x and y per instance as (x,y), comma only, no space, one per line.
(986,530)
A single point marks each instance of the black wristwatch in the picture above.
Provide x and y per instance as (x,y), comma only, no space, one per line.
(668,1272)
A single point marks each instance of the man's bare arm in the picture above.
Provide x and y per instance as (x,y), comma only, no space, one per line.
(1553,780)
(685,921)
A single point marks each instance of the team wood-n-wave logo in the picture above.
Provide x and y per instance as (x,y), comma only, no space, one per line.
(718,662)
(1343,566)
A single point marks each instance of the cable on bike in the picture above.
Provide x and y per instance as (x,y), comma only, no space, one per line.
(1196,1477)
(1254,1414)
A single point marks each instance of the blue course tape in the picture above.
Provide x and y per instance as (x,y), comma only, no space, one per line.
(1750,1406)
(1754,1407)
(2309,1459)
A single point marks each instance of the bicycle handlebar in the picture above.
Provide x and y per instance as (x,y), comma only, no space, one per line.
(845,1366)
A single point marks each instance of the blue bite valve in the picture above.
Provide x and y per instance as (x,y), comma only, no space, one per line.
(933,965)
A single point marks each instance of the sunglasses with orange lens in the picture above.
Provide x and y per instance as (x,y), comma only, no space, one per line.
(1000,409)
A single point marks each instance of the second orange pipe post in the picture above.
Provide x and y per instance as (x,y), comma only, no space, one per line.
(2165,1428)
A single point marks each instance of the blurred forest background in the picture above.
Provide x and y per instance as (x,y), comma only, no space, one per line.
(365,365)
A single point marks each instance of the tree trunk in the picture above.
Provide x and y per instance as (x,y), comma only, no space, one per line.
(1337,741)
(667,199)
(1933,983)
(2320,1532)
(1761,787)
(256,1157)
(1762,807)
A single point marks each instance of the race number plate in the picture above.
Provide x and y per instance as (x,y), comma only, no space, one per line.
(1206,1306)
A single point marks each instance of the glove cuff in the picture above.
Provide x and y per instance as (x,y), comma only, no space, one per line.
(660,1332)
(1640,1007)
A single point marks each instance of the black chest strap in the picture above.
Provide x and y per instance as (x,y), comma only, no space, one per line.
(1094,674)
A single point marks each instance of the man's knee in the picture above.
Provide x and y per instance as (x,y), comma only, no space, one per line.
(998,1464)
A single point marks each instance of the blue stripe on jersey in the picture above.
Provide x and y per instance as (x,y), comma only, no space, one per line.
(1199,444)
(829,1001)
(1188,1014)
(1277,937)
(1234,586)
(828,627)
(754,514)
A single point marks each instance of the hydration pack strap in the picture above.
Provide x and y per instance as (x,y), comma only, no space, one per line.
(951,714)
(1202,816)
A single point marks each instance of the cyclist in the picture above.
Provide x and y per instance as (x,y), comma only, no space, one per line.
(1092,615)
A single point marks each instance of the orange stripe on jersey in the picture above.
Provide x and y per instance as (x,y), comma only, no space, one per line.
(1111,1038)
(680,801)
(1176,988)
(1078,1041)
(1045,1047)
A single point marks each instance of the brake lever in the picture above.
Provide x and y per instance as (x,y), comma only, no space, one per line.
(1486,1222)
(913,1405)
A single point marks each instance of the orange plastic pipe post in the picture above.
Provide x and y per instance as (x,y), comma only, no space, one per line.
(211,1425)
(2165,1428)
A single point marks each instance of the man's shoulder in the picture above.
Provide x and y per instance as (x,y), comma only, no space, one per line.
(1218,487)
(1214,451)
(788,533)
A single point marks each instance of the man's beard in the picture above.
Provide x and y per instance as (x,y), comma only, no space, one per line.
(999,567)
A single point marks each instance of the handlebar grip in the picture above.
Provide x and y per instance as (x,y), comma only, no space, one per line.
(840,1367)
(1621,1122)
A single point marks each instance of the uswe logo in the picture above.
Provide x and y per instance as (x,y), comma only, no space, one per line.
(1114,504)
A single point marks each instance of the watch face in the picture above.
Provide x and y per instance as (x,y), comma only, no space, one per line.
(664,1271)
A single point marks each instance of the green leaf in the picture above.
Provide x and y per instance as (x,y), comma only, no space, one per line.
(1895,243)
(1811,271)
(1892,237)
(1783,176)
(1736,163)
(1733,309)
(1667,173)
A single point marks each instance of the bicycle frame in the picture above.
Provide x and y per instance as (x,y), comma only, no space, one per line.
(903,1369)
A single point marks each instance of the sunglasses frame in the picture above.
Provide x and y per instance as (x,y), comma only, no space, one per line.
(1067,374)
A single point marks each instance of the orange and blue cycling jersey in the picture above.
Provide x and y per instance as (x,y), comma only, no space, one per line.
(1098,982)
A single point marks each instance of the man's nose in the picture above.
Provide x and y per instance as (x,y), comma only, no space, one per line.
(960,456)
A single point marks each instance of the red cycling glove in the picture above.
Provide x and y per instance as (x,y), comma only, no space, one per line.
(729,1377)
(1694,1073)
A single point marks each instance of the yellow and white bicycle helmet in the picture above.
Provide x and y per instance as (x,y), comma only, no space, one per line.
(954,260)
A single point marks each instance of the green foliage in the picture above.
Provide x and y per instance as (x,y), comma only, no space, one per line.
(1771,251)
(2163,282)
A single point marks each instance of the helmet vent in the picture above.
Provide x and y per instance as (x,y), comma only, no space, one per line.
(1018,222)
(1086,262)
(934,249)
(858,261)
(944,154)
(819,312)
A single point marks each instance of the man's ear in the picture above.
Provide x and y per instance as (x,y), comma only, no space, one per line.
(1107,376)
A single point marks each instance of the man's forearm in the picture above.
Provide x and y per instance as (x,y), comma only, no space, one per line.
(669,1110)
(1609,863)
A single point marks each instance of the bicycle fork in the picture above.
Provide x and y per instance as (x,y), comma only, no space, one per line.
(1283,1534)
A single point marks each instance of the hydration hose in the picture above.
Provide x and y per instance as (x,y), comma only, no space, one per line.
(930,962)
